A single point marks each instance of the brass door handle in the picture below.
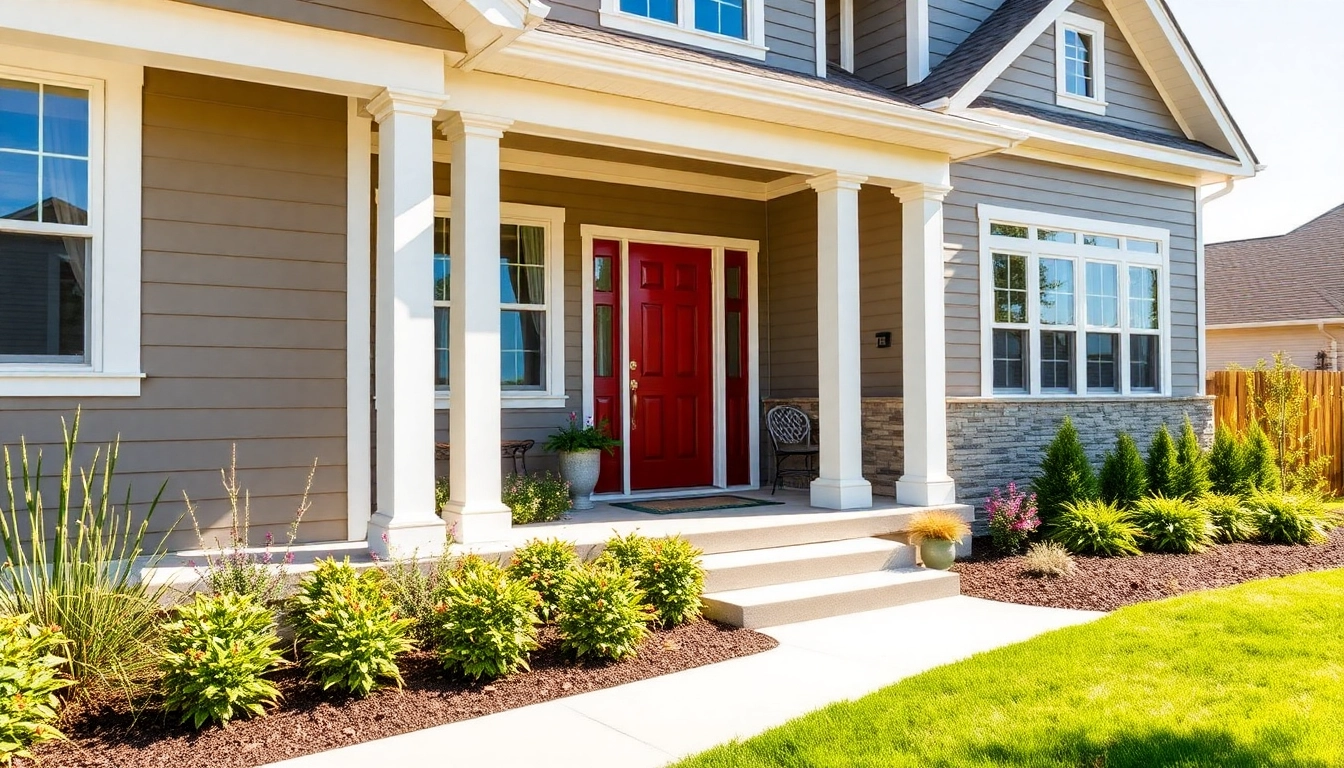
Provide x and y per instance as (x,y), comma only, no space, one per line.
(634,402)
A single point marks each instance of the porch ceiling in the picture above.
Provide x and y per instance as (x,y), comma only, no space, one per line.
(598,152)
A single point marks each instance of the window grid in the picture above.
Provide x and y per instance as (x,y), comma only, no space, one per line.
(1078,63)
(727,18)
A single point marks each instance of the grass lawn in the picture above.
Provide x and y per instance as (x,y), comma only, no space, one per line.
(1251,675)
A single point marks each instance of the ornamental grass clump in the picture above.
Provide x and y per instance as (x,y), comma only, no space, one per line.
(1048,559)
(938,525)
(602,612)
(1287,518)
(1095,528)
(30,677)
(1232,518)
(1012,519)
(351,634)
(217,650)
(1173,525)
(537,498)
(542,565)
(485,624)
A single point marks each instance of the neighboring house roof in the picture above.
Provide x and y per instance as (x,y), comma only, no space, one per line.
(1294,277)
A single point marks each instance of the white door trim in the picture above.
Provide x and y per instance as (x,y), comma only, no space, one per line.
(717,246)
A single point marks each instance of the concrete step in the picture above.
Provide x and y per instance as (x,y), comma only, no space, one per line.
(729,571)
(821,598)
(787,530)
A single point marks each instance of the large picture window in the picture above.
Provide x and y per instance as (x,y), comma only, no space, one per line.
(1073,306)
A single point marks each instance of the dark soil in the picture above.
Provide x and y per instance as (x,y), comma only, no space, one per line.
(1104,584)
(312,721)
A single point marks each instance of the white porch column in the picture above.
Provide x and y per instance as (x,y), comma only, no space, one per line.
(404,521)
(840,484)
(475,511)
(925,481)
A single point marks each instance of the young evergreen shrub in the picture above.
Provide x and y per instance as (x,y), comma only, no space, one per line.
(1192,469)
(1046,558)
(1287,518)
(486,624)
(1066,474)
(1161,466)
(1173,525)
(672,580)
(1232,518)
(543,565)
(1124,480)
(1260,461)
(602,612)
(1228,475)
(1095,528)
(216,650)
(30,676)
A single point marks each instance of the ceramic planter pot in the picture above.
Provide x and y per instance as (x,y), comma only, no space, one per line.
(580,469)
(937,553)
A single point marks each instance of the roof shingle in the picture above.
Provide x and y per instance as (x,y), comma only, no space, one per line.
(1088,123)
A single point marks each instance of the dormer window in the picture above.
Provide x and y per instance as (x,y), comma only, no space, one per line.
(1080,63)
(728,26)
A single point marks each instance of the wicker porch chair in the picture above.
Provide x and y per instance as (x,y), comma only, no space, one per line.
(791,435)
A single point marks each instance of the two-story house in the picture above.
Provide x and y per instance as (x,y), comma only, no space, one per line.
(350,229)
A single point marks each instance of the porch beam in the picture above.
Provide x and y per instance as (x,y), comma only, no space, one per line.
(925,481)
(475,511)
(405,521)
(840,483)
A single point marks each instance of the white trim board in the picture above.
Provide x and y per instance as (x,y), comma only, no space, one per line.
(1095,29)
(358,324)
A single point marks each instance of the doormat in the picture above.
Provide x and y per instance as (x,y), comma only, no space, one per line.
(697,504)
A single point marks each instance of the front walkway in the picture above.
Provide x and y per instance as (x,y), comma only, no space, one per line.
(653,722)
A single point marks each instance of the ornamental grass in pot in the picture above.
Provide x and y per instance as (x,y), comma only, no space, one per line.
(937,533)
(580,449)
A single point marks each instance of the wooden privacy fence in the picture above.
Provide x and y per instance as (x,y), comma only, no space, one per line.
(1233,390)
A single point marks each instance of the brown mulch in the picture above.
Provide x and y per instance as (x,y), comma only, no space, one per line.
(1104,584)
(312,721)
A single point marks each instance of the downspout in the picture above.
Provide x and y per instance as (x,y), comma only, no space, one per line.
(1334,345)
(1229,185)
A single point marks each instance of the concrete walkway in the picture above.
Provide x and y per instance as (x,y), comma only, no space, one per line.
(653,722)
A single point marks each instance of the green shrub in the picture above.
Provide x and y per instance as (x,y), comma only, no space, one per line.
(1228,475)
(543,565)
(1066,474)
(1172,525)
(628,551)
(1232,518)
(1192,470)
(1046,558)
(352,634)
(602,612)
(1261,461)
(536,498)
(486,624)
(1123,478)
(442,492)
(414,587)
(1095,528)
(1161,466)
(326,575)
(672,580)
(30,676)
(1287,518)
(73,571)
(217,649)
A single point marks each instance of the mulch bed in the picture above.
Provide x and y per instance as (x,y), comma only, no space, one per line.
(1104,584)
(312,721)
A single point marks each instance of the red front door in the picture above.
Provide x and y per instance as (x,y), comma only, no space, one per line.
(671,370)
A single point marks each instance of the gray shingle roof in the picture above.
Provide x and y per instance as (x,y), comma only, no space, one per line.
(1297,276)
(1088,123)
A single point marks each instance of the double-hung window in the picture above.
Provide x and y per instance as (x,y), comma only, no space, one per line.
(531,287)
(730,26)
(1072,306)
(1080,63)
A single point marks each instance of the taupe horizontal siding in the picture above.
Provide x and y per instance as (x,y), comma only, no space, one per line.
(879,42)
(243,308)
(1132,98)
(791,34)
(1030,185)
(952,21)
(405,21)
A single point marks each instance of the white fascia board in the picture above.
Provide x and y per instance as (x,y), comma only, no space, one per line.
(177,35)
(1010,53)
(1276,324)
(488,25)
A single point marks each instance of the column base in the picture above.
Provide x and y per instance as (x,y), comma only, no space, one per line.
(477,525)
(391,537)
(842,494)
(925,491)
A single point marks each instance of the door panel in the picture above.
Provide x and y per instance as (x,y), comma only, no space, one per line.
(608,396)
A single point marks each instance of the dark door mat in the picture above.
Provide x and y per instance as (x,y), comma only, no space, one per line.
(697,504)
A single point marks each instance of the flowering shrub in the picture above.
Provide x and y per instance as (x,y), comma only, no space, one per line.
(486,623)
(414,587)
(602,612)
(1012,518)
(29,679)
(667,570)
(543,565)
(536,498)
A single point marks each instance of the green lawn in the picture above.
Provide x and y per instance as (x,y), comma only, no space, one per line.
(1247,676)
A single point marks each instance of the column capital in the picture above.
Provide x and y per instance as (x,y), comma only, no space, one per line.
(836,180)
(461,124)
(913,192)
(400,101)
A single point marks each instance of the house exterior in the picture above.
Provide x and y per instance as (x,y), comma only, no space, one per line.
(1279,294)
(350,229)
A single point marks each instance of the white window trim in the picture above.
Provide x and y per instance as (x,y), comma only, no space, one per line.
(1033,249)
(1095,29)
(553,220)
(112,368)
(684,31)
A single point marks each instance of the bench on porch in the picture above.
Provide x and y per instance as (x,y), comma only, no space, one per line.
(514,450)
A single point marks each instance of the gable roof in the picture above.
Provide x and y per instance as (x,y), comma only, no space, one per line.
(1292,277)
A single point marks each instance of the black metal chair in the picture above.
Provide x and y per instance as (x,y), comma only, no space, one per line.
(791,434)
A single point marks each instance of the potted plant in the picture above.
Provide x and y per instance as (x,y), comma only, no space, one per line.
(937,533)
(580,449)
